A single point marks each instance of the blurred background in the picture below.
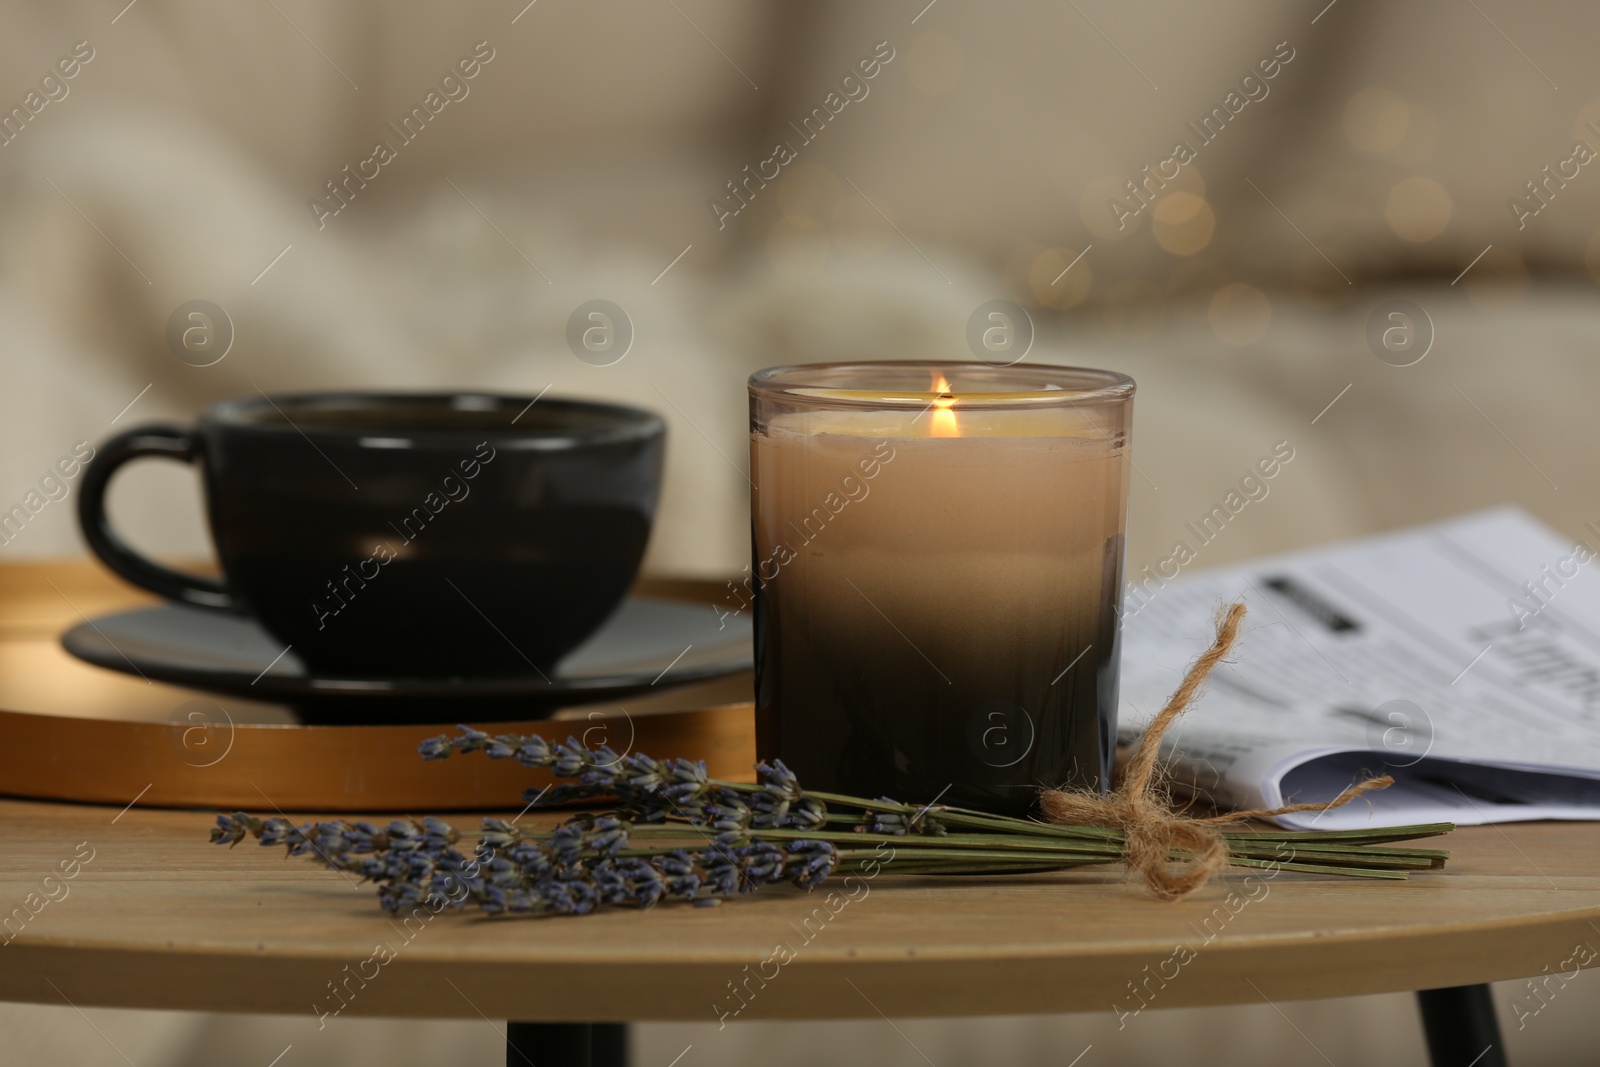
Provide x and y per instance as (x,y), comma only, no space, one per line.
(1231,201)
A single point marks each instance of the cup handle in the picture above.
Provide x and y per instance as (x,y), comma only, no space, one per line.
(170,442)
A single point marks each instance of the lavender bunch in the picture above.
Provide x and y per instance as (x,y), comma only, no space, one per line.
(671,832)
(584,863)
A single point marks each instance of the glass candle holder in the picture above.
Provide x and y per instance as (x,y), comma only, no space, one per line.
(938,556)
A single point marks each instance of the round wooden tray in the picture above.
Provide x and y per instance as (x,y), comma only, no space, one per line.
(76,732)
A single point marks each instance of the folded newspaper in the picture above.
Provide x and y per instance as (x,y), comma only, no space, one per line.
(1462,658)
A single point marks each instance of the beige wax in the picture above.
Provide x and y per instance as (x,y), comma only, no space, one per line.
(944,572)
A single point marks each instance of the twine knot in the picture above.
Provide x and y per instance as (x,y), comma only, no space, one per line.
(1175,854)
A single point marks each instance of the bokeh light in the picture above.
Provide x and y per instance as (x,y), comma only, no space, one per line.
(1182,223)
(1418,209)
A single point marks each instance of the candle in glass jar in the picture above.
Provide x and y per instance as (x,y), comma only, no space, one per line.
(938,553)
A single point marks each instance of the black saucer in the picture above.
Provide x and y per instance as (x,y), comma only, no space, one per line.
(646,644)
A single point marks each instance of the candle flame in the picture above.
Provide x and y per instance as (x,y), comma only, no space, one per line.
(944,417)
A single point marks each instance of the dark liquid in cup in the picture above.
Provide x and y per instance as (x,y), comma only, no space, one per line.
(413,537)
(471,615)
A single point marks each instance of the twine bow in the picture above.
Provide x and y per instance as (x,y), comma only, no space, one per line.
(1175,854)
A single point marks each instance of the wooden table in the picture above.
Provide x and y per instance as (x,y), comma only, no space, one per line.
(158,918)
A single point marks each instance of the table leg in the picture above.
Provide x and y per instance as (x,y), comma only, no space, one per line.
(1461,1027)
(566,1045)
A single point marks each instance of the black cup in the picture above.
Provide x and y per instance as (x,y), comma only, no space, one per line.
(407,535)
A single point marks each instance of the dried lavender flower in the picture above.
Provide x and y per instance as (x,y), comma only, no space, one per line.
(675,833)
